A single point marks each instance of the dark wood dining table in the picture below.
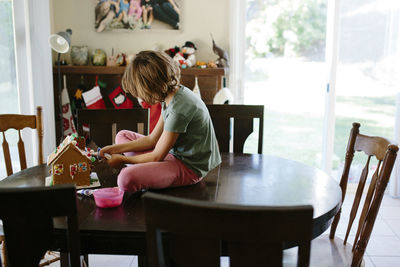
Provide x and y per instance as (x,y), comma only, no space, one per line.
(242,179)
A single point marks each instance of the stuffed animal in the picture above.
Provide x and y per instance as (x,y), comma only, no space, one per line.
(172,51)
(186,57)
(180,60)
(188,53)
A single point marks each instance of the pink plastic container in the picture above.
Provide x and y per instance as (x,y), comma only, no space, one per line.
(108,197)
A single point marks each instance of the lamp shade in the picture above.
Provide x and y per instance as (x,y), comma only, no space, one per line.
(61,41)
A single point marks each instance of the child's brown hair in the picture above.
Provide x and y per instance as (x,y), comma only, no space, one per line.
(151,76)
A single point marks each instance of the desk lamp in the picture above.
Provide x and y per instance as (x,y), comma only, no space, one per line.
(60,42)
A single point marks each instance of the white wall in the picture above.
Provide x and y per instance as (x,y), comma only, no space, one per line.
(199,18)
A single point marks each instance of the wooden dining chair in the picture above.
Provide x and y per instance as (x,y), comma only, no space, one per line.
(104,124)
(19,122)
(253,235)
(334,251)
(243,120)
(27,215)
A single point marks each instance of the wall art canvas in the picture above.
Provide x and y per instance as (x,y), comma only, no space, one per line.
(137,15)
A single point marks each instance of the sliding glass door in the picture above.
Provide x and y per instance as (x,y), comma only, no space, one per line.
(309,94)
(285,70)
(368,73)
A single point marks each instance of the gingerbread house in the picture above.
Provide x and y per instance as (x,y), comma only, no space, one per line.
(70,164)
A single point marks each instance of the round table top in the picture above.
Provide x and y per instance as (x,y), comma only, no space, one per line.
(242,179)
(256,179)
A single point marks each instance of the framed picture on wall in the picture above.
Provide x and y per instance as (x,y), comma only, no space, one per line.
(137,15)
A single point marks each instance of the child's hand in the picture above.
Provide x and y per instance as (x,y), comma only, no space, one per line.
(107,149)
(116,161)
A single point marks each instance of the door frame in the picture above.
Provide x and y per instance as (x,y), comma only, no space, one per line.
(332,59)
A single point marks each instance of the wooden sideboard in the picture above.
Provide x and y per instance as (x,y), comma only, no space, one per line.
(209,79)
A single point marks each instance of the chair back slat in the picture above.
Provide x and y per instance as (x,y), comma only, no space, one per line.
(105,123)
(243,117)
(357,198)
(7,157)
(19,122)
(21,152)
(223,136)
(249,233)
(372,145)
(27,215)
(368,223)
(261,133)
(39,128)
(345,174)
(367,201)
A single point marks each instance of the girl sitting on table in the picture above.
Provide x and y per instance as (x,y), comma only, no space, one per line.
(182,147)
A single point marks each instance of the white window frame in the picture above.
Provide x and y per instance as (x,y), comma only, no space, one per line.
(237,24)
(332,59)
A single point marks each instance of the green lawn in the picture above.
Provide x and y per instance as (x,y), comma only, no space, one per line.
(299,137)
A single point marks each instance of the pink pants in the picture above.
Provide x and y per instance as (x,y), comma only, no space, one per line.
(170,172)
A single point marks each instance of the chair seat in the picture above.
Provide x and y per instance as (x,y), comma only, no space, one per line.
(325,252)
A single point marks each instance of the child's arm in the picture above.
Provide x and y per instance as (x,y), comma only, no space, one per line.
(116,4)
(142,144)
(165,143)
(172,2)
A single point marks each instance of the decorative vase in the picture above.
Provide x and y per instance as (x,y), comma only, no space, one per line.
(80,55)
(99,57)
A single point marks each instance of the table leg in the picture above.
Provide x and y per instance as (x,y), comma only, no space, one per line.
(142,261)
(64,260)
(86,258)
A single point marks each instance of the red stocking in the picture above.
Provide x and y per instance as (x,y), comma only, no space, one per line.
(93,99)
(155,112)
(119,99)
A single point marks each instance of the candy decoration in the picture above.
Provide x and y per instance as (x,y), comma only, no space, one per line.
(73,170)
(58,169)
(82,167)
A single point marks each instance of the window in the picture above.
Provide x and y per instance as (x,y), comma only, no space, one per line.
(8,78)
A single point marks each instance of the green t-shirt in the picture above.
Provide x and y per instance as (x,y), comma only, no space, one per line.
(196,145)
